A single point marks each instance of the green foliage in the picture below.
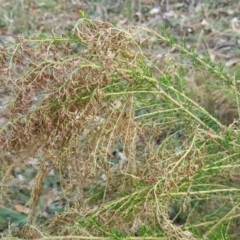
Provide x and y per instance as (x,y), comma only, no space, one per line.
(220,233)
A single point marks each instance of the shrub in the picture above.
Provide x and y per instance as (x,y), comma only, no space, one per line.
(131,148)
